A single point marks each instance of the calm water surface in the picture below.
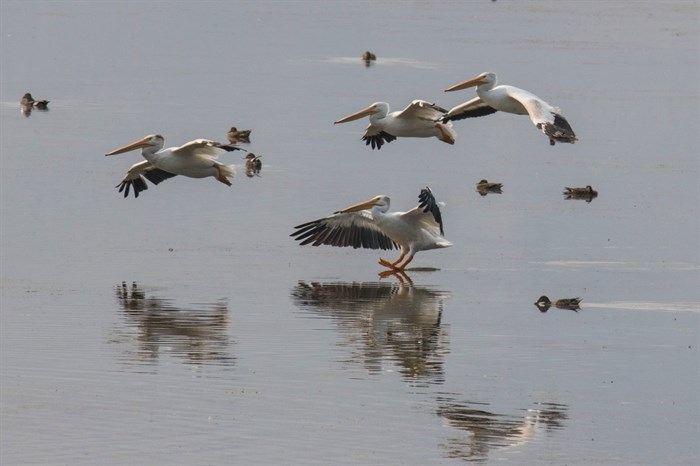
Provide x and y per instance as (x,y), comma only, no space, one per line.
(186,327)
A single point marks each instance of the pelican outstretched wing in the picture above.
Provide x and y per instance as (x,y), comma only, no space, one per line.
(205,147)
(429,204)
(544,116)
(422,109)
(376,138)
(356,229)
(137,176)
(469,109)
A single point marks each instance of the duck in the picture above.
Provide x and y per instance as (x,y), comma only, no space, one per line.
(236,135)
(572,304)
(253,164)
(369,56)
(587,193)
(28,101)
(484,187)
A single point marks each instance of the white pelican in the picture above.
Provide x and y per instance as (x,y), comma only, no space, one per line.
(420,119)
(369,225)
(509,99)
(195,159)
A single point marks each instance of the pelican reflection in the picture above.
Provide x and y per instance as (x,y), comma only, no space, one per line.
(488,431)
(384,324)
(197,335)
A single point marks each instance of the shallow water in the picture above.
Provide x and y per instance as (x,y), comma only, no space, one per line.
(186,327)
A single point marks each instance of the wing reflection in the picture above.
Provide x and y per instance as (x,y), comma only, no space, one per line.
(197,335)
(383,322)
(487,431)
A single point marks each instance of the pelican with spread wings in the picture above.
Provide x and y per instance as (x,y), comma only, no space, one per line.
(492,98)
(370,225)
(421,119)
(195,159)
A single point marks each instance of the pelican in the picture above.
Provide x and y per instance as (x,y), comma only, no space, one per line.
(421,119)
(370,225)
(509,99)
(235,135)
(195,159)
(28,101)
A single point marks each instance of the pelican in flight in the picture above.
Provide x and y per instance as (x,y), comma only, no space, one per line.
(370,225)
(195,159)
(492,98)
(421,119)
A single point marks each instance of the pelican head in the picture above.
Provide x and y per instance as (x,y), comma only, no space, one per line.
(380,108)
(382,202)
(484,78)
(154,141)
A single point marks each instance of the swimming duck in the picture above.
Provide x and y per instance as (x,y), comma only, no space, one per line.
(587,194)
(369,56)
(253,164)
(544,303)
(28,101)
(235,135)
(484,187)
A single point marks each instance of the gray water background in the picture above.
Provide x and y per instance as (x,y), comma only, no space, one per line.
(186,327)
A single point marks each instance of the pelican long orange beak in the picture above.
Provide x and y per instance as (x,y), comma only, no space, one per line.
(364,205)
(359,114)
(466,84)
(143,142)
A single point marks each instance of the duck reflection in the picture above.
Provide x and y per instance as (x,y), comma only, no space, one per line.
(395,322)
(196,335)
(487,431)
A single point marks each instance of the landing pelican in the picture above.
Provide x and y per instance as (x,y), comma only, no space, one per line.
(370,225)
(420,119)
(196,159)
(509,99)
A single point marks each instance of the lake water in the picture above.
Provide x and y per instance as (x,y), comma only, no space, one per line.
(187,327)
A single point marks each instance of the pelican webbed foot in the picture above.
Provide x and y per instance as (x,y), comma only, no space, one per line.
(220,176)
(386,263)
(445,136)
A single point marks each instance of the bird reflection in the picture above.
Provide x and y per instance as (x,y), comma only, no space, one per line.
(196,335)
(489,431)
(380,322)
